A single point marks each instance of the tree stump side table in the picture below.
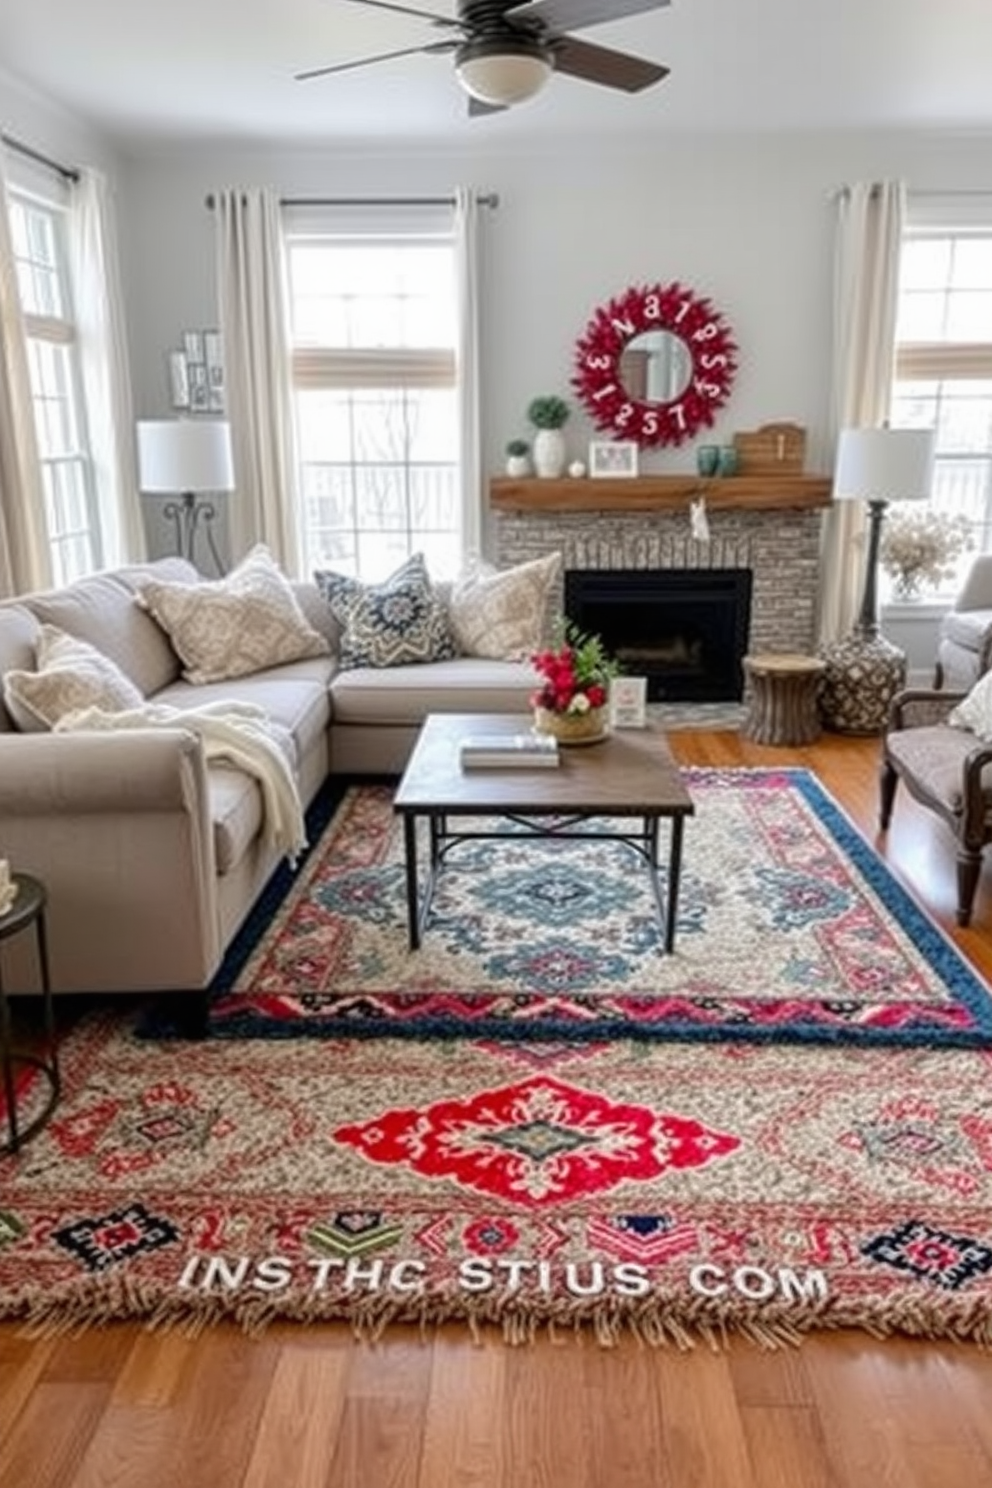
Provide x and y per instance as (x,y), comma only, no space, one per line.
(27,909)
(782,706)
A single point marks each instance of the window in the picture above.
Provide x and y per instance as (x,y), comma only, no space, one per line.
(944,364)
(40,253)
(375,398)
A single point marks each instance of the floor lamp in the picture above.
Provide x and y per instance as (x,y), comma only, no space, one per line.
(182,457)
(864,671)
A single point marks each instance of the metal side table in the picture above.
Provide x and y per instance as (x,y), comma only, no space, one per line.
(27,909)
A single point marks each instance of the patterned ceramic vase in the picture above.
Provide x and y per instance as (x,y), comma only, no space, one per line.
(572,728)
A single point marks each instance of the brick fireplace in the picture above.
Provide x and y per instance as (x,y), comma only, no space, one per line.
(777,541)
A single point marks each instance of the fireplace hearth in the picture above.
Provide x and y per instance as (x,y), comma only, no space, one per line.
(685,630)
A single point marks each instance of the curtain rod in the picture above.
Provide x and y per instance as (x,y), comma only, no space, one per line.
(843,191)
(67,172)
(492,200)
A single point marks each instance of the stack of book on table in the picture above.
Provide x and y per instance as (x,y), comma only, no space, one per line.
(508,752)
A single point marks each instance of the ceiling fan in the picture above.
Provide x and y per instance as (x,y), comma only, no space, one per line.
(506,51)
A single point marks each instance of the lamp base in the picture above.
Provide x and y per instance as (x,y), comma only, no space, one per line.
(861,675)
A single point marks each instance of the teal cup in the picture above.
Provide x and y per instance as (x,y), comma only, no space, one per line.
(727,462)
(708,459)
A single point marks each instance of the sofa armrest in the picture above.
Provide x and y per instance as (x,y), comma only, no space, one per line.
(118,828)
(139,770)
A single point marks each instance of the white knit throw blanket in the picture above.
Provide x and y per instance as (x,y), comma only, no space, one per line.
(240,734)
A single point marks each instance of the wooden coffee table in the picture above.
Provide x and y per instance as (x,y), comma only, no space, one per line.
(631,774)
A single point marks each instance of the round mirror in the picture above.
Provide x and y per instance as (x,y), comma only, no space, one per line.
(655,367)
(655,364)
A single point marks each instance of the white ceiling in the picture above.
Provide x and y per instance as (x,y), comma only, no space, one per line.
(223,70)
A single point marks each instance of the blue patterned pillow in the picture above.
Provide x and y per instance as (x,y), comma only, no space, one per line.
(390,624)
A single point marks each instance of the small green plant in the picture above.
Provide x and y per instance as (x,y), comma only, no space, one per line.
(548,412)
(517,448)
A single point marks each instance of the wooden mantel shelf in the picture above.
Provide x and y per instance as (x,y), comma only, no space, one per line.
(661,493)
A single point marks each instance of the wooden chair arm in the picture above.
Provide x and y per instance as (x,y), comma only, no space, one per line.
(916,706)
(976,796)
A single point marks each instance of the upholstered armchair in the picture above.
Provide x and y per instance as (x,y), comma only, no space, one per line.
(948,770)
(964,648)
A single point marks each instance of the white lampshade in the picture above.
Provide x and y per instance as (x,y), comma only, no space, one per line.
(884,465)
(502,72)
(184,455)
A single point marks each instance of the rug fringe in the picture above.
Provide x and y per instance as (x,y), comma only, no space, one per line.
(680,1324)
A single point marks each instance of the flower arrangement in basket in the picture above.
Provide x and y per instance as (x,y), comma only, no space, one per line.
(920,547)
(571,701)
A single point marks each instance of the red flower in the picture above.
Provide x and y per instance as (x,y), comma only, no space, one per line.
(579,667)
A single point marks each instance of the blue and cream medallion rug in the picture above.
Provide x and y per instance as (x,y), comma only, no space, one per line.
(790,928)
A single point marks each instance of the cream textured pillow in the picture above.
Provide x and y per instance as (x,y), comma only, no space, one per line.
(975,711)
(503,615)
(233,626)
(70,674)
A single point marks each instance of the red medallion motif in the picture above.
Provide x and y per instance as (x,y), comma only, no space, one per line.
(539,1142)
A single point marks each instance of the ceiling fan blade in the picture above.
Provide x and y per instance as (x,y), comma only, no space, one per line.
(319,72)
(424,15)
(572,15)
(597,64)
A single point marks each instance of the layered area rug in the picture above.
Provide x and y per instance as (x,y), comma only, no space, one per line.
(790,927)
(674,1191)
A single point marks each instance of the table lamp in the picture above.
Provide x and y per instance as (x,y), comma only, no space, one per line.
(183,457)
(864,671)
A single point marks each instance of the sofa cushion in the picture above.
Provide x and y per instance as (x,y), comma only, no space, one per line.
(69,674)
(295,696)
(504,614)
(101,609)
(406,694)
(19,632)
(236,813)
(232,627)
(390,624)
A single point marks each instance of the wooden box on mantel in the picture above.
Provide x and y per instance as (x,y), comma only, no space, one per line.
(773,449)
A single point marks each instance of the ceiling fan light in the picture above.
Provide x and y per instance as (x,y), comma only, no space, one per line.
(502,74)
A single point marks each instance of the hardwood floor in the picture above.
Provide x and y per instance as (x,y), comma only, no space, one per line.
(300,1407)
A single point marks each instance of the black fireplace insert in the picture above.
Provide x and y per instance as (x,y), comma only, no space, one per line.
(685,630)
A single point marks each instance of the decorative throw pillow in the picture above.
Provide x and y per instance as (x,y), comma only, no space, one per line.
(233,626)
(503,614)
(70,674)
(975,711)
(390,624)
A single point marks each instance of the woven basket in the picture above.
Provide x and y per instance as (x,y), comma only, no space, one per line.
(571,728)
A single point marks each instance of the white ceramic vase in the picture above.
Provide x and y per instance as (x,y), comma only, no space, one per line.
(549,453)
(518,466)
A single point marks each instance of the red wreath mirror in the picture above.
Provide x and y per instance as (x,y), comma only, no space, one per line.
(655,364)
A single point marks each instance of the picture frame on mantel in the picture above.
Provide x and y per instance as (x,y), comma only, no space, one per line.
(613,459)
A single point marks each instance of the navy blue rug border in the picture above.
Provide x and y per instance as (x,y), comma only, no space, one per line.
(932,942)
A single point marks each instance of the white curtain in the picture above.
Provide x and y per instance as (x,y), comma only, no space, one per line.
(24,555)
(253,299)
(99,312)
(871,217)
(467,369)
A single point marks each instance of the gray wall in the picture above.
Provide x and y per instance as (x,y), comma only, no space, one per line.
(746,221)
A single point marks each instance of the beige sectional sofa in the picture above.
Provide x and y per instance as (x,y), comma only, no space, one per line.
(151,859)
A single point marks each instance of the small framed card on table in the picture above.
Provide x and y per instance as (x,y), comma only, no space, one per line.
(628,702)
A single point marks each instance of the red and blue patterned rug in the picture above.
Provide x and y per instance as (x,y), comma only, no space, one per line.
(791,928)
(673,1191)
